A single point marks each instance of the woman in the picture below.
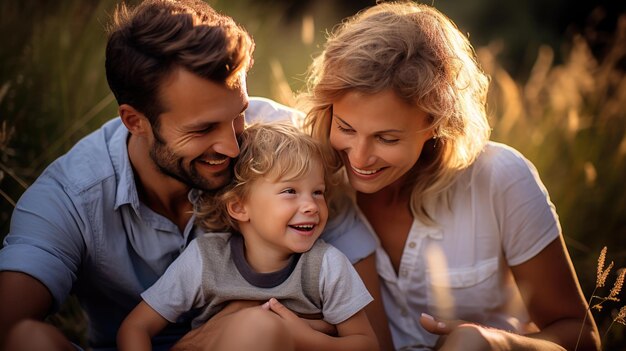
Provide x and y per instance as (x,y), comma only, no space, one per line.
(466,229)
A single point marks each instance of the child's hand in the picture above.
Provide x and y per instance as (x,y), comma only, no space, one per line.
(315,324)
(300,329)
(285,313)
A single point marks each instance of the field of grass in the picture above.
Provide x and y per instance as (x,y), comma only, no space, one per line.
(564,107)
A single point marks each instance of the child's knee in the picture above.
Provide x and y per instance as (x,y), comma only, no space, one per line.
(261,330)
(264,323)
(36,335)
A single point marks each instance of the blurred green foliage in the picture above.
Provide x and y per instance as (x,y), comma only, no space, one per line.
(558,96)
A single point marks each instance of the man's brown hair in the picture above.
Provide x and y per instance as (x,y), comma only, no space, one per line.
(148,42)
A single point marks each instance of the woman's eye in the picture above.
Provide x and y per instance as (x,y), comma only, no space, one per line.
(344,130)
(387,140)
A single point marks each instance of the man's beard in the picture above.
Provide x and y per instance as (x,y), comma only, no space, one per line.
(172,166)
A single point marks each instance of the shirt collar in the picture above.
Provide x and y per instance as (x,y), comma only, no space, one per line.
(194,197)
(126,192)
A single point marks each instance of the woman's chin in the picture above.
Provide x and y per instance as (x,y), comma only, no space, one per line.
(365,187)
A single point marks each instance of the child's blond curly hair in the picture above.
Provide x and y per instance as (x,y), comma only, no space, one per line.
(276,151)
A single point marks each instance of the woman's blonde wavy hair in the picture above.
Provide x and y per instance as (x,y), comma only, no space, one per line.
(275,151)
(420,54)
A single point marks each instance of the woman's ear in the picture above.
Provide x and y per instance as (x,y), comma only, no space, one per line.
(237,210)
(136,122)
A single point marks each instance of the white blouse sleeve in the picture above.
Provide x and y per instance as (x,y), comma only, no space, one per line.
(527,217)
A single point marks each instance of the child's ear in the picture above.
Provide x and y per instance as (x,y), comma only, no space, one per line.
(237,210)
(136,122)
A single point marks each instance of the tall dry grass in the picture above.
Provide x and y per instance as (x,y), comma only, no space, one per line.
(601,277)
(569,119)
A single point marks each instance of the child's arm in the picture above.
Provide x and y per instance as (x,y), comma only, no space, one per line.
(354,334)
(138,328)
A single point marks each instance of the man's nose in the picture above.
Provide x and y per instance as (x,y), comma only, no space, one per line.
(227,144)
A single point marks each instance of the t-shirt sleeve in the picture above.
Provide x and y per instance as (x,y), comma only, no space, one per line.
(179,290)
(342,291)
(347,232)
(529,221)
(45,238)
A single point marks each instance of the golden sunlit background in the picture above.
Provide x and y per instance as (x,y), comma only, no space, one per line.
(558,95)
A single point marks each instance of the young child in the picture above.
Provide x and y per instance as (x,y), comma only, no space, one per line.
(273,211)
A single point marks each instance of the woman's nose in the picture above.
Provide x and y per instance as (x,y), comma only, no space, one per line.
(360,154)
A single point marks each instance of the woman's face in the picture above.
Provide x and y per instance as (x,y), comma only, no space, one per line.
(379,137)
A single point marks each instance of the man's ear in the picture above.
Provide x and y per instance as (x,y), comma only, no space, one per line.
(136,122)
(237,210)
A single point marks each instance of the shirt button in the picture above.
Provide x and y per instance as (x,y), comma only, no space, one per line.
(404,273)
(404,312)
(412,244)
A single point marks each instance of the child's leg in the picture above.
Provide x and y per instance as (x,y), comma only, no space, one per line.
(234,328)
(254,329)
(36,335)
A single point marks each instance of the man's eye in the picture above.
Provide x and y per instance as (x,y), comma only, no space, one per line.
(205,130)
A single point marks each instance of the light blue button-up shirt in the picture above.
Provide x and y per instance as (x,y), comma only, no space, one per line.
(80,228)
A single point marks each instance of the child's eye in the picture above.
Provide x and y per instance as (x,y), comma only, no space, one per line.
(288,191)
(319,193)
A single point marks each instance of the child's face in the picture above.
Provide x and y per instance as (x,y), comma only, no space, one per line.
(286,216)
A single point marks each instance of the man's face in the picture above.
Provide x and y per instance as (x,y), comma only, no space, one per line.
(197,132)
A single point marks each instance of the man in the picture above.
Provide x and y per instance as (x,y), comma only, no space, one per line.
(106,219)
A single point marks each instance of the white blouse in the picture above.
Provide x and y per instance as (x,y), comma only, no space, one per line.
(499,215)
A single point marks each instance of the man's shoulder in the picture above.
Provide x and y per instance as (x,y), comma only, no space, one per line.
(89,161)
(266,110)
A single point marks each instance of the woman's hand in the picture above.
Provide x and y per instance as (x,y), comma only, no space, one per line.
(459,335)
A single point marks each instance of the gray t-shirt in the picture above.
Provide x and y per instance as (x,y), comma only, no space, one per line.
(212,271)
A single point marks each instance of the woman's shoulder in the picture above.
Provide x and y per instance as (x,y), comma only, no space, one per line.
(501,158)
(499,163)
(497,154)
